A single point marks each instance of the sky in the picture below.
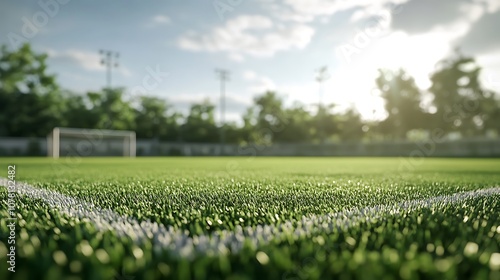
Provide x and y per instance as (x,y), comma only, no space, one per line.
(171,48)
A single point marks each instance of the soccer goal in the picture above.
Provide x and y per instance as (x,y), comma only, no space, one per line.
(74,142)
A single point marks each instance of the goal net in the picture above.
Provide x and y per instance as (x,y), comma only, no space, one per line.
(73,142)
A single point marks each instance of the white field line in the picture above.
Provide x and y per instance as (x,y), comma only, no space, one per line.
(180,243)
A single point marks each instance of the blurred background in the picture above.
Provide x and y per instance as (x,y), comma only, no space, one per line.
(267,77)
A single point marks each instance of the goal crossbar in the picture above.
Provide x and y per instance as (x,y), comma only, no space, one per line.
(92,136)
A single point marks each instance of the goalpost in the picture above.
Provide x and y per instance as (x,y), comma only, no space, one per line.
(90,142)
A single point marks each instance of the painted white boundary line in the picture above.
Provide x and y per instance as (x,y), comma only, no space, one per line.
(179,242)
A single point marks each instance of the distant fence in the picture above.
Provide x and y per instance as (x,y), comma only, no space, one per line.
(10,146)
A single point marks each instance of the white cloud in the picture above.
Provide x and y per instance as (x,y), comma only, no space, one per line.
(125,71)
(90,61)
(249,75)
(308,10)
(259,84)
(490,74)
(248,36)
(471,11)
(417,53)
(161,19)
(492,6)
(158,20)
(236,57)
(374,11)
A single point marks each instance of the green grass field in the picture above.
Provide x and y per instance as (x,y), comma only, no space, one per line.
(247,218)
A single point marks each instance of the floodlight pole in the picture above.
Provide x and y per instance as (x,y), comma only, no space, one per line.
(320,78)
(110,60)
(223,75)
(322,75)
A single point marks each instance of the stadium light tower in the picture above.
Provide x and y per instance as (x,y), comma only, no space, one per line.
(223,75)
(110,60)
(322,75)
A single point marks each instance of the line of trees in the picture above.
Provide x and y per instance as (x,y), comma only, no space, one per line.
(32,103)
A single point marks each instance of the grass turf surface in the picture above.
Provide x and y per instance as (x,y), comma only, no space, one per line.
(209,195)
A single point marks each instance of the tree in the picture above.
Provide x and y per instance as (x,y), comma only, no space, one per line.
(402,103)
(110,110)
(233,133)
(350,126)
(78,113)
(270,118)
(461,103)
(200,124)
(30,100)
(151,117)
(491,121)
(297,126)
(325,124)
(248,132)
